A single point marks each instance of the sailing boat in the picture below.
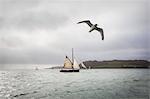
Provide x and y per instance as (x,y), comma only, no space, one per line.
(70,66)
(82,64)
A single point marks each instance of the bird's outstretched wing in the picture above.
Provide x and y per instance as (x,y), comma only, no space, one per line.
(101,31)
(87,22)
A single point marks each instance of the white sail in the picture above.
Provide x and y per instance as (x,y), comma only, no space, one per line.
(75,65)
(67,63)
(83,65)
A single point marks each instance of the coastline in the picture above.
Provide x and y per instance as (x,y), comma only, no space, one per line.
(113,64)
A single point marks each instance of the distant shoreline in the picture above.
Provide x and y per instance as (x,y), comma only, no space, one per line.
(117,64)
(113,64)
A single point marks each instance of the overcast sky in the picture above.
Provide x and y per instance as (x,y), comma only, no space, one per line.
(44,31)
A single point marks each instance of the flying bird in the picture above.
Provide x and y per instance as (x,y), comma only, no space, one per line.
(93,27)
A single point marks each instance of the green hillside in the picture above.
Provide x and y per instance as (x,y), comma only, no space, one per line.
(117,64)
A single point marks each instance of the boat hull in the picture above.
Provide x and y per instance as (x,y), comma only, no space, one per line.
(70,70)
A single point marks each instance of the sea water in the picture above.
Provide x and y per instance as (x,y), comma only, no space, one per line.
(86,84)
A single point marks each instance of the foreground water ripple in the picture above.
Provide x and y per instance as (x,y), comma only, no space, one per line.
(87,84)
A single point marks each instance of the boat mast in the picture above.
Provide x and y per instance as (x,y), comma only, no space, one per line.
(72,57)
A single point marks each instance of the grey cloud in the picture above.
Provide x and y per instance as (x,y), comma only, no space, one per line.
(33,56)
(31,21)
(10,42)
(42,20)
(30,15)
(56,32)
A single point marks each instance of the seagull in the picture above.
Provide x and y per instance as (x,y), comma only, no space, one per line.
(93,27)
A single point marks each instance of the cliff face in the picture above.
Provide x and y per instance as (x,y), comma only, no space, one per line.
(118,64)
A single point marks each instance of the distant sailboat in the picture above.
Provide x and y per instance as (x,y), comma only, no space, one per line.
(83,65)
(70,66)
(89,67)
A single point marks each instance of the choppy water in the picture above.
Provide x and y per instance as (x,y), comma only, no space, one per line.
(87,84)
